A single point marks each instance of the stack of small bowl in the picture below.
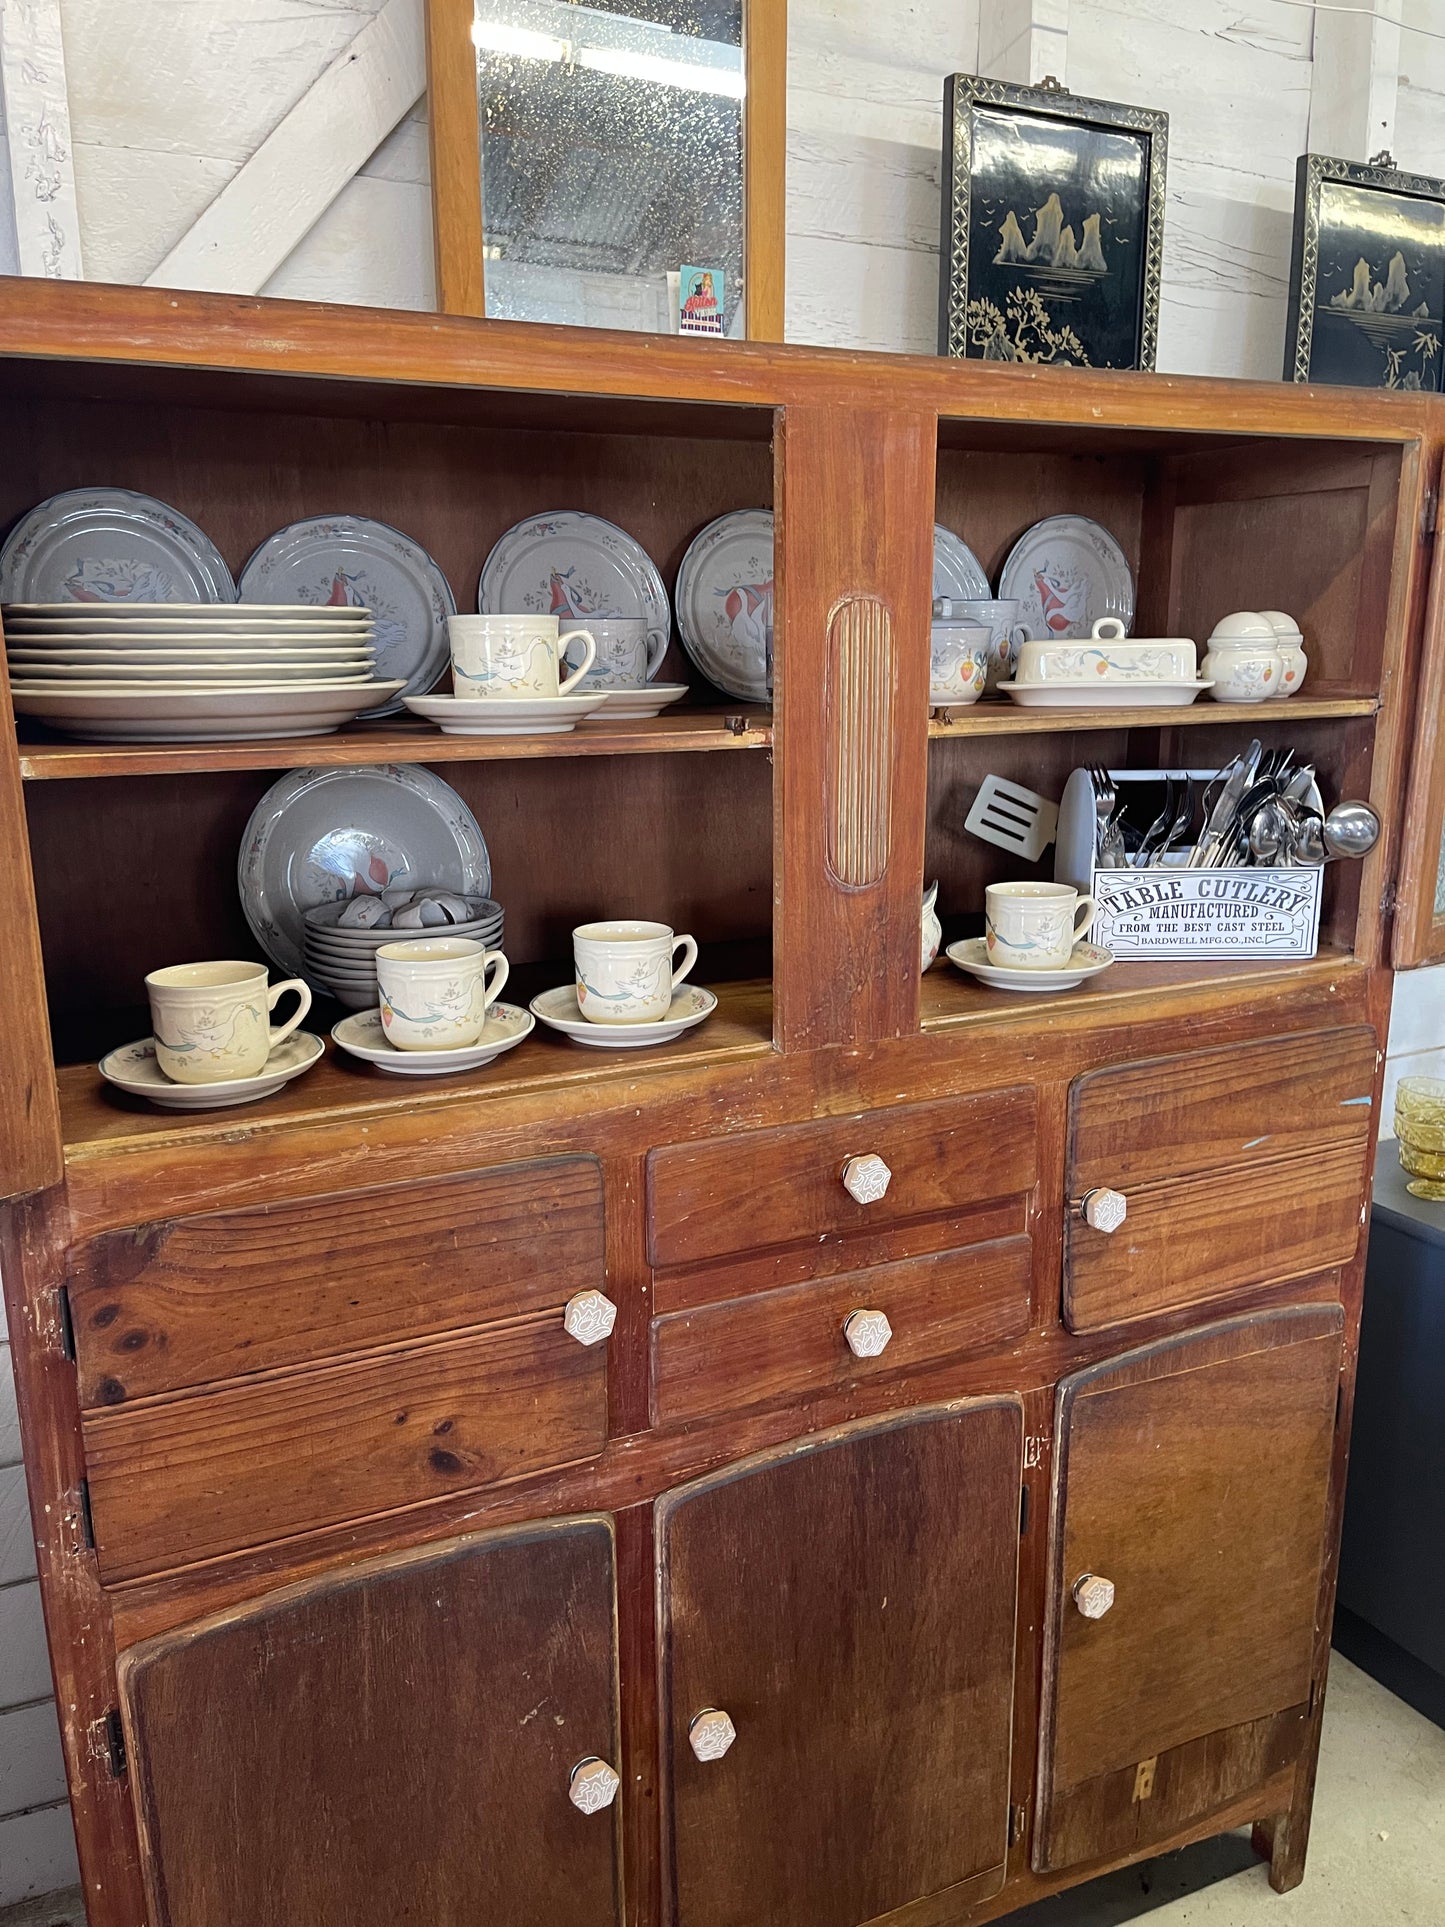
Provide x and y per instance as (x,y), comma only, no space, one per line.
(341,958)
(1420,1131)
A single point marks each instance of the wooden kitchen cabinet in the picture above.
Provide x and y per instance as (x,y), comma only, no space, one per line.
(390,1744)
(324,1471)
(849,1605)
(1187,1541)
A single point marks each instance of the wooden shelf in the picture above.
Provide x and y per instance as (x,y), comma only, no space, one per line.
(399,742)
(995,719)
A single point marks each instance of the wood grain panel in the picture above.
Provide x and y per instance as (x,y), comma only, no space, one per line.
(761,1188)
(860,681)
(189,1299)
(1171,1116)
(454,133)
(855,491)
(390,1743)
(189,1476)
(765,166)
(789,1343)
(850,1604)
(1187,1241)
(1157,1487)
(1419,932)
(30,1150)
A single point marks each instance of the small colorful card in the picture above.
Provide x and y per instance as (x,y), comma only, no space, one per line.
(700,301)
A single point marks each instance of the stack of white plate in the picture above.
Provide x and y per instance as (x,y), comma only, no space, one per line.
(190,672)
(343,962)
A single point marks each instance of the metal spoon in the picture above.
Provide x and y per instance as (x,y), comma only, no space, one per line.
(1351,829)
(1269,831)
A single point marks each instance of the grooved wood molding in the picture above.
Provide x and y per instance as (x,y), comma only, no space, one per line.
(861,673)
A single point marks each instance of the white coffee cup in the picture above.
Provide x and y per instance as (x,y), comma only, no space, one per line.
(629,652)
(514,658)
(435,992)
(625,970)
(959,658)
(211,1020)
(1034,926)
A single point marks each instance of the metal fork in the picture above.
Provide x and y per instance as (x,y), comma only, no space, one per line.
(1105,796)
(1183,818)
(1159,828)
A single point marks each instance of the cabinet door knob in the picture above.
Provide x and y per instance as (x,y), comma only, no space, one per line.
(592,1785)
(867,1333)
(1104,1209)
(865,1179)
(710,1733)
(589,1317)
(1092,1595)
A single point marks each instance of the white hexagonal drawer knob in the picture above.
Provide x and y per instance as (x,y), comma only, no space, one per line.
(1104,1209)
(593,1785)
(865,1179)
(867,1333)
(710,1733)
(1092,1595)
(589,1317)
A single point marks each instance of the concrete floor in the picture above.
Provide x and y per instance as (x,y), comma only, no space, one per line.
(1377,1850)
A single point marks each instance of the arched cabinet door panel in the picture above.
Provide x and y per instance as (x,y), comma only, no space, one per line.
(835,1645)
(390,1744)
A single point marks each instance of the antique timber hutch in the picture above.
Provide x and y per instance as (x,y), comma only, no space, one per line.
(350,1554)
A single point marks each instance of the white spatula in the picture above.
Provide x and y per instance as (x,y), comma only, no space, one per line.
(1012,817)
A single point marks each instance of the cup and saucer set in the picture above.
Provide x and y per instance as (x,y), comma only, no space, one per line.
(438,1010)
(1034,939)
(630,990)
(213,1043)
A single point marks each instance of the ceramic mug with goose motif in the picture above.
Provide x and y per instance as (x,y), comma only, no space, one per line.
(212,1021)
(1034,926)
(626,971)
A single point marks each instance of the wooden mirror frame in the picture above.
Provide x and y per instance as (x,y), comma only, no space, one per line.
(456,160)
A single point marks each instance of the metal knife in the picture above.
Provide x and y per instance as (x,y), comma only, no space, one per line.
(1224,809)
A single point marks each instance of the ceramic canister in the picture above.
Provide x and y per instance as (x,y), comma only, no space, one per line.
(1034,926)
(435,991)
(1244,662)
(515,658)
(1291,646)
(959,671)
(1000,616)
(625,970)
(212,1020)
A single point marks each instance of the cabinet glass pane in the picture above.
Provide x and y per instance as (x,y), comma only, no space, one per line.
(612,156)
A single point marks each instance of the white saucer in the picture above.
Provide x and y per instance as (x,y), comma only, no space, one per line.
(134,1068)
(363,1037)
(1135,693)
(690,1005)
(502,716)
(972,955)
(636,705)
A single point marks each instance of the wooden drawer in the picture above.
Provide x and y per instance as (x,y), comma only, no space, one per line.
(190,1476)
(1243,1166)
(762,1188)
(191,1300)
(789,1343)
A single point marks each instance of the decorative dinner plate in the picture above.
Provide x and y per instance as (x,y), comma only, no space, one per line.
(725,602)
(26,672)
(363,1037)
(636,705)
(502,716)
(100,545)
(179,618)
(957,571)
(194,712)
(573,565)
(320,834)
(349,561)
(558,1008)
(133,1068)
(972,955)
(1141,693)
(1066,572)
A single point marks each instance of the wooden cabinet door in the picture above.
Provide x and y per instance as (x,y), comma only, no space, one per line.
(849,1605)
(1192,1477)
(393,1744)
(1419,922)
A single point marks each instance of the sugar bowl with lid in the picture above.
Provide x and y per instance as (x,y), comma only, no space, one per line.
(1291,645)
(1244,661)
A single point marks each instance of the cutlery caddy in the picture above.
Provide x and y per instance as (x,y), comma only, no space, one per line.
(1171,910)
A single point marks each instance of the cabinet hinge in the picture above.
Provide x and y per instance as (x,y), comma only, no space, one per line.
(115,1743)
(1018,1819)
(67,1323)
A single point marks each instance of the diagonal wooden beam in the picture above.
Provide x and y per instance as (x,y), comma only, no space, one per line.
(37,114)
(303,164)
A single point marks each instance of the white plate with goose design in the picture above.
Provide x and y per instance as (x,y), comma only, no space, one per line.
(572,565)
(111,545)
(352,562)
(1065,572)
(957,571)
(559,1009)
(725,602)
(321,835)
(362,1036)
